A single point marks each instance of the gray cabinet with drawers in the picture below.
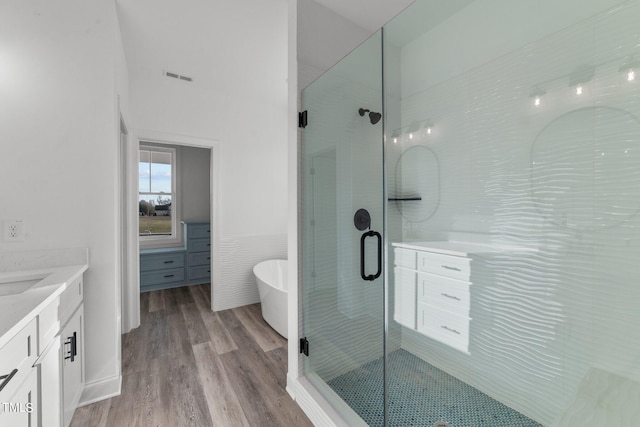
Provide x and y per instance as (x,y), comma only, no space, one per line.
(189,264)
(199,252)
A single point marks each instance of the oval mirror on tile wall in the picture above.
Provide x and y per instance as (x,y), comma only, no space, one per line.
(585,169)
(417,186)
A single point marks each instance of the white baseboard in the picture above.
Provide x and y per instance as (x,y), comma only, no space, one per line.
(96,391)
(320,412)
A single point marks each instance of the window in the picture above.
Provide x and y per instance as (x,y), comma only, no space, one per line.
(156,194)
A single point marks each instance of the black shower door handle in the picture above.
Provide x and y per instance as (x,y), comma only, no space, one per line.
(364,276)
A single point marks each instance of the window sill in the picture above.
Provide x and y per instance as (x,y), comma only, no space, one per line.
(160,243)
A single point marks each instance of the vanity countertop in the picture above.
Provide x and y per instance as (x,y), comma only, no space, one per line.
(455,248)
(17,310)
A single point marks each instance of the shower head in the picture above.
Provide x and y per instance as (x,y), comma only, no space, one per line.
(373,116)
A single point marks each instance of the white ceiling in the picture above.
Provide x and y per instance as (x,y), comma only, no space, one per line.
(367,14)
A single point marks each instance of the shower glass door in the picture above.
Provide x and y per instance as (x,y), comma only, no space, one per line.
(342,232)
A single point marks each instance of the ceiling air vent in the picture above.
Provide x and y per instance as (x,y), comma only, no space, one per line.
(178,76)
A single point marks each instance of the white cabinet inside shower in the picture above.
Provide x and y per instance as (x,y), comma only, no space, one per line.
(433,289)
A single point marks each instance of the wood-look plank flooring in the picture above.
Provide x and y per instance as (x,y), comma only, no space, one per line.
(188,366)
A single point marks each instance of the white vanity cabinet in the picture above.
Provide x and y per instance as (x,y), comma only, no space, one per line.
(19,380)
(41,366)
(72,364)
(63,382)
(432,294)
(49,375)
(405,288)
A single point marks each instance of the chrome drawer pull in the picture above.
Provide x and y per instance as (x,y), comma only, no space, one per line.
(450,330)
(7,378)
(451,296)
(451,268)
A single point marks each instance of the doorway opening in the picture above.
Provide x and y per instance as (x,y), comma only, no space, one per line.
(171,198)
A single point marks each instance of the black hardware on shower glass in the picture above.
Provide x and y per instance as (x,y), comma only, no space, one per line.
(403,199)
(302,119)
(362,219)
(370,277)
(304,346)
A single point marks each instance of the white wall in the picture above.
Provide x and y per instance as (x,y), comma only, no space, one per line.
(324,37)
(58,129)
(194,181)
(236,53)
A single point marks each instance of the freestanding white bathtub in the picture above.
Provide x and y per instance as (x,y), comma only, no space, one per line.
(271,277)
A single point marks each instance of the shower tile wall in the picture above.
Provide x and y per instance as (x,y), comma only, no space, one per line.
(562,178)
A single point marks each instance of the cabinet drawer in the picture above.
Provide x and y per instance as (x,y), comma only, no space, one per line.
(445,265)
(443,292)
(200,272)
(199,245)
(162,276)
(19,353)
(200,258)
(70,299)
(71,341)
(198,230)
(444,326)
(150,262)
(405,258)
(404,307)
(48,324)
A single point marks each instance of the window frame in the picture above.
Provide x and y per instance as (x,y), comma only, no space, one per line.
(161,241)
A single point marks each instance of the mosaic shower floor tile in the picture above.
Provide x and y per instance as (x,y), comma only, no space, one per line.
(421,395)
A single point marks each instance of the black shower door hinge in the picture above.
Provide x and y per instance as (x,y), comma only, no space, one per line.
(302,119)
(304,346)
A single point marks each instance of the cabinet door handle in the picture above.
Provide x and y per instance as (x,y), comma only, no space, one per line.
(450,296)
(73,347)
(169,262)
(169,275)
(449,329)
(7,378)
(451,268)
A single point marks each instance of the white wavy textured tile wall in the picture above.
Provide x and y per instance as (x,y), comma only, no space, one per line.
(554,332)
(238,255)
(603,399)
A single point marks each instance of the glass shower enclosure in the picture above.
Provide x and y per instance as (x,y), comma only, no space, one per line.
(470,238)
